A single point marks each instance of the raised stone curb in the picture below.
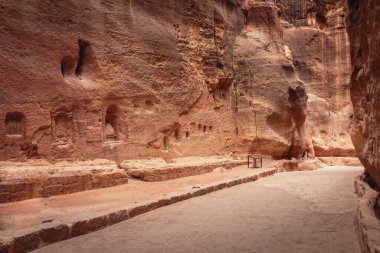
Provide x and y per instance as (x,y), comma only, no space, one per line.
(28,240)
(163,174)
(366,222)
(28,188)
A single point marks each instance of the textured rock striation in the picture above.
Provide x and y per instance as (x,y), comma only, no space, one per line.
(318,47)
(285,45)
(117,79)
(363,31)
(140,79)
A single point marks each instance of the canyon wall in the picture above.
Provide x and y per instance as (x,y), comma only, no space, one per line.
(139,79)
(364,35)
(319,48)
(117,79)
(304,42)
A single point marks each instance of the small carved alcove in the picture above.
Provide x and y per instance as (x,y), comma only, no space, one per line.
(165,142)
(176,130)
(61,126)
(221,90)
(111,124)
(15,124)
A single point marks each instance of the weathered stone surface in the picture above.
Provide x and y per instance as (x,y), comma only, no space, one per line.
(54,233)
(363,29)
(79,228)
(319,13)
(140,209)
(97,222)
(4,245)
(25,243)
(131,80)
(367,224)
(110,83)
(263,117)
(298,109)
(117,216)
(296,52)
(343,161)
(317,45)
(20,181)
(154,170)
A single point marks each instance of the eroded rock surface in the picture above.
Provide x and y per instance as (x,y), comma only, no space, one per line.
(363,29)
(318,47)
(294,48)
(141,79)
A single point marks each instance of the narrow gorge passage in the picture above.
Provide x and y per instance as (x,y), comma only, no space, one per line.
(290,212)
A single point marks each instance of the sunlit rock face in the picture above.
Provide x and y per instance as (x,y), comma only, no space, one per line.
(117,79)
(318,47)
(140,79)
(364,33)
(263,78)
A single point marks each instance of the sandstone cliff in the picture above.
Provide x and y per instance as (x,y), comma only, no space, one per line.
(319,48)
(132,79)
(364,33)
(306,43)
(117,79)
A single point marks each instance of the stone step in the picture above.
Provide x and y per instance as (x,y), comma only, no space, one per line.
(22,181)
(155,170)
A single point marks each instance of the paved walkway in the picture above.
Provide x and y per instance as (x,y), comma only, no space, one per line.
(71,207)
(288,212)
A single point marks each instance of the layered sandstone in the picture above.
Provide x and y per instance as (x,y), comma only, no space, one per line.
(364,33)
(143,79)
(318,46)
(263,77)
(117,79)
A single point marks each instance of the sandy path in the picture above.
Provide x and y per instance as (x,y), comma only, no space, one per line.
(289,212)
(69,207)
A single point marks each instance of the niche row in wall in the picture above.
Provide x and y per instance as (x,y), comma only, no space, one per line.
(62,126)
(174,134)
(204,128)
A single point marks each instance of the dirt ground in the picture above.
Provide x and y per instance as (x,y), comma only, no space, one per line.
(291,212)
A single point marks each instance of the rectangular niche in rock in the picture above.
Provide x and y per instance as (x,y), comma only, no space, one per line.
(94,125)
(61,126)
(165,142)
(15,124)
(111,123)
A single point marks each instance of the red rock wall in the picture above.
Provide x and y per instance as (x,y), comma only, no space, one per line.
(363,29)
(263,78)
(318,46)
(293,49)
(131,79)
(116,79)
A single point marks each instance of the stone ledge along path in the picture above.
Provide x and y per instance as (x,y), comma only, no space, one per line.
(311,211)
(35,223)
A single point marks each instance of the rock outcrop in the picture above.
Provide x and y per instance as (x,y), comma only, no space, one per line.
(117,79)
(363,29)
(141,79)
(263,78)
(294,49)
(318,46)
(298,108)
